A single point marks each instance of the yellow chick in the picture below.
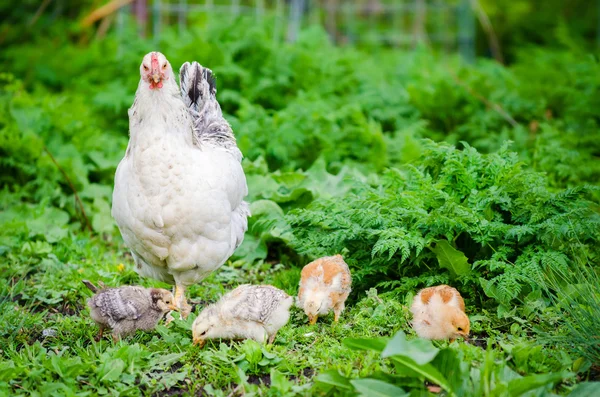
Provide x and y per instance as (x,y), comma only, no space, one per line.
(324,285)
(248,312)
(439,313)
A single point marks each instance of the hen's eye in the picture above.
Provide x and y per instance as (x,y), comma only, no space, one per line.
(165,66)
(145,67)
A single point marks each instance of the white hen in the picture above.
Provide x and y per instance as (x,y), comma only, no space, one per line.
(179,190)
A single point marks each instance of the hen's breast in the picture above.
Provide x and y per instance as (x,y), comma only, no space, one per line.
(174,204)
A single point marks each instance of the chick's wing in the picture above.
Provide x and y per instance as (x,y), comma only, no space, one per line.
(255,303)
(128,303)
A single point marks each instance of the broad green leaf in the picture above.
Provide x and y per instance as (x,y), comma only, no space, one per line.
(51,224)
(419,350)
(103,161)
(165,359)
(377,388)
(289,179)
(518,387)
(586,389)
(451,258)
(111,370)
(252,350)
(102,221)
(266,207)
(334,378)
(453,369)
(8,370)
(251,249)
(280,381)
(375,344)
(427,371)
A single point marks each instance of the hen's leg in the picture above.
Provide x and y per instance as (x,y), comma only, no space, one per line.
(181,302)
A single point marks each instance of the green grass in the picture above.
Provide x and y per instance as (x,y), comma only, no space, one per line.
(48,342)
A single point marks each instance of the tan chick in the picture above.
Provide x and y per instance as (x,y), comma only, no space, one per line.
(129,308)
(248,312)
(439,313)
(324,285)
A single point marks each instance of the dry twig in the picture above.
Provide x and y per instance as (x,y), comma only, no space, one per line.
(104,11)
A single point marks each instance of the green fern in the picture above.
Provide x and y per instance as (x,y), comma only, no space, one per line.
(503,217)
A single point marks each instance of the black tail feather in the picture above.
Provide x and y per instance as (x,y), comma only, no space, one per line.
(197,85)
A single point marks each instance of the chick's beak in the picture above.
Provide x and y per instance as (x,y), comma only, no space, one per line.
(199,342)
(312,320)
(173,307)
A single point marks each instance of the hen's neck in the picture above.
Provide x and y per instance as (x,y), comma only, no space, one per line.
(159,114)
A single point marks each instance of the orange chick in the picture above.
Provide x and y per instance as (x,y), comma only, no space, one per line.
(324,285)
(439,313)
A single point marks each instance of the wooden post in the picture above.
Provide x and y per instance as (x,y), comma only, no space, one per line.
(466,31)
(420,17)
(330,18)
(296,12)
(156,10)
(182,15)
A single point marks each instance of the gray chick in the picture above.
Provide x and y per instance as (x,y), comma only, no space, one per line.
(248,312)
(129,308)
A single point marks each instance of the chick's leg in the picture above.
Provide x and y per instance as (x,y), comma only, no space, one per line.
(181,302)
(337,311)
(100,333)
(272,338)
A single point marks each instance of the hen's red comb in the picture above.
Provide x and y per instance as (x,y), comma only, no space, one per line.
(154,60)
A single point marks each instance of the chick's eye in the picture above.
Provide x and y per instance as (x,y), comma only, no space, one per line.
(459,328)
(204,333)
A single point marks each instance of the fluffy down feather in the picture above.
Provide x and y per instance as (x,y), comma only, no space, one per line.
(439,313)
(248,312)
(129,308)
(324,285)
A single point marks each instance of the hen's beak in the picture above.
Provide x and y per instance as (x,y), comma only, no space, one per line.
(199,342)
(312,320)
(156,77)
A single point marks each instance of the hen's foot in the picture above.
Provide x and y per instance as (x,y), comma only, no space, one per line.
(184,308)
